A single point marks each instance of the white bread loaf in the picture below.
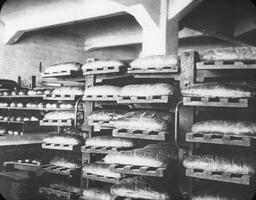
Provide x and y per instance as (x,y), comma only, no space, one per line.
(102,63)
(100,169)
(152,155)
(65,162)
(214,195)
(157,89)
(65,187)
(155,62)
(225,127)
(102,90)
(220,164)
(224,90)
(60,115)
(71,90)
(72,139)
(144,120)
(67,66)
(97,194)
(108,141)
(106,114)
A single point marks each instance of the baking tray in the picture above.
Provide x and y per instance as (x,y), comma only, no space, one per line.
(49,168)
(222,65)
(217,138)
(138,170)
(101,178)
(99,150)
(61,73)
(65,147)
(102,124)
(59,122)
(140,134)
(143,99)
(104,70)
(100,98)
(216,102)
(219,176)
(59,193)
(61,97)
(153,70)
(24,165)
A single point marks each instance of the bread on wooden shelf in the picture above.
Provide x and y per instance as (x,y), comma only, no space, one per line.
(152,155)
(52,105)
(4,104)
(155,62)
(66,106)
(97,194)
(39,91)
(232,164)
(100,169)
(225,127)
(69,90)
(67,66)
(157,89)
(102,90)
(108,141)
(139,188)
(3,130)
(214,89)
(106,115)
(144,120)
(214,195)
(65,162)
(102,63)
(60,115)
(65,187)
(230,54)
(71,139)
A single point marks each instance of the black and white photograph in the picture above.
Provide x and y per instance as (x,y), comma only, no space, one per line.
(128,100)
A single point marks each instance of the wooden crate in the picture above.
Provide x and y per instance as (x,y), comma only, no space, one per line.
(219,176)
(138,170)
(140,134)
(216,138)
(100,98)
(104,70)
(61,73)
(57,122)
(216,102)
(49,168)
(143,99)
(101,178)
(99,150)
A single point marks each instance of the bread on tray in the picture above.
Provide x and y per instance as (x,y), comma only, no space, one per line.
(106,115)
(156,61)
(72,139)
(225,127)
(108,141)
(102,63)
(102,90)
(152,155)
(144,120)
(224,90)
(65,187)
(214,195)
(68,90)
(100,169)
(230,54)
(236,165)
(97,194)
(60,115)
(67,66)
(139,189)
(66,162)
(157,89)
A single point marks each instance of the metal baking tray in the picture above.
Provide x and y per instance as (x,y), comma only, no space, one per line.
(144,99)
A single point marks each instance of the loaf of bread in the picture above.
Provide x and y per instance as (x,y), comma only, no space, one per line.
(52,105)
(152,155)
(60,115)
(102,63)
(69,90)
(236,165)
(224,90)
(67,66)
(144,120)
(102,90)
(100,170)
(65,187)
(157,89)
(38,91)
(155,62)
(4,104)
(66,106)
(32,104)
(136,188)
(72,139)
(66,162)
(225,127)
(106,115)
(3,131)
(230,54)
(216,196)
(108,141)
(97,194)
